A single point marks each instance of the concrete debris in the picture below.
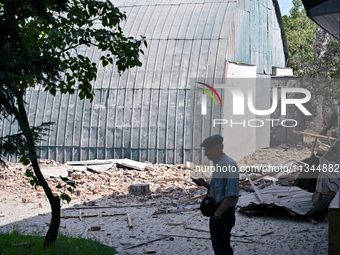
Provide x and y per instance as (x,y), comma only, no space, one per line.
(140,189)
(122,162)
(99,180)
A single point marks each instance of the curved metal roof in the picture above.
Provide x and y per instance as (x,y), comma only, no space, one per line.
(144,114)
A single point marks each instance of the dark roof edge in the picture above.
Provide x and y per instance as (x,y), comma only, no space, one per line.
(310,4)
(283,33)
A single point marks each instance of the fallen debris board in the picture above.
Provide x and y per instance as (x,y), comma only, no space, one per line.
(124,162)
(204,237)
(314,135)
(104,207)
(174,180)
(176,223)
(268,233)
(54,172)
(147,242)
(193,198)
(292,198)
(174,235)
(241,241)
(93,215)
(164,211)
(92,162)
(197,229)
(99,168)
(132,164)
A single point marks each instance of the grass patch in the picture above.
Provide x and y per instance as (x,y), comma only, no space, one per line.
(16,243)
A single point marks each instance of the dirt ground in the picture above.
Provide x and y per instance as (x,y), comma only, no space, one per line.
(277,233)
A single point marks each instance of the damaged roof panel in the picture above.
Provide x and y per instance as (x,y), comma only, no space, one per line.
(292,198)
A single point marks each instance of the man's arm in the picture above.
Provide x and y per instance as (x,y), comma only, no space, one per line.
(227,201)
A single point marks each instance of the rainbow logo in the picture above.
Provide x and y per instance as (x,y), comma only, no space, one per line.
(204,98)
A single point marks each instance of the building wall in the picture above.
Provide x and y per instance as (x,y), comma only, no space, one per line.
(146,113)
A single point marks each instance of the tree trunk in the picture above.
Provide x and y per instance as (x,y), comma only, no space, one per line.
(52,232)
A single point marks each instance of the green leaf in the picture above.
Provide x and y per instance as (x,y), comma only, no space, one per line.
(29,173)
(25,161)
(58,186)
(65,197)
(65,179)
(71,183)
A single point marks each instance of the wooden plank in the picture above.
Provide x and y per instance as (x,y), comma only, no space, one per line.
(314,135)
(316,139)
(92,215)
(92,162)
(203,237)
(255,188)
(193,198)
(165,211)
(176,223)
(268,233)
(173,180)
(197,229)
(185,236)
(147,242)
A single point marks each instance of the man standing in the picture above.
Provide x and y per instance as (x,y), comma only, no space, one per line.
(224,189)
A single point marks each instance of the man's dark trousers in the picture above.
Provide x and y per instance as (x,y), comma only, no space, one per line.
(220,232)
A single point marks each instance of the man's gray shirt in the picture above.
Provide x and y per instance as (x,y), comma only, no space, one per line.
(225,180)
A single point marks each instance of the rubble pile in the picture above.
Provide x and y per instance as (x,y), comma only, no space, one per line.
(280,154)
(112,181)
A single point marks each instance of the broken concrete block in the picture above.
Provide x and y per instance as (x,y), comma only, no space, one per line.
(76,176)
(108,173)
(112,181)
(139,189)
(190,165)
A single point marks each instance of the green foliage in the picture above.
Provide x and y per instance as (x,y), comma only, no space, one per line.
(69,185)
(301,34)
(34,180)
(45,44)
(313,53)
(64,245)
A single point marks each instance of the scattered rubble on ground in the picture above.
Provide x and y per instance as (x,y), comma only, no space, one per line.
(116,179)
(105,180)
(165,210)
